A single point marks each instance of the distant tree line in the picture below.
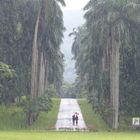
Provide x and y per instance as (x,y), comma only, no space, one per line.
(107,53)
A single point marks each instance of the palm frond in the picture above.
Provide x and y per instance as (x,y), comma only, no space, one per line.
(62,2)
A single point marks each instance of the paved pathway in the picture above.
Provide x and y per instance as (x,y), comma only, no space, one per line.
(64,120)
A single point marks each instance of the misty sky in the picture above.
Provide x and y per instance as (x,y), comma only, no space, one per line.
(73,17)
(75,4)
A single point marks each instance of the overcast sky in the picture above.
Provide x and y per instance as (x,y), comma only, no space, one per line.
(75,4)
(73,17)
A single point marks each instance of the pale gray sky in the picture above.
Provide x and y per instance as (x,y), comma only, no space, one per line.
(73,17)
(75,4)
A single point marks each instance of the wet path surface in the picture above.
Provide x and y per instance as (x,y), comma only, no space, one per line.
(64,119)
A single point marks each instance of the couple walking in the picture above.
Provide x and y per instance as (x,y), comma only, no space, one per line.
(75,118)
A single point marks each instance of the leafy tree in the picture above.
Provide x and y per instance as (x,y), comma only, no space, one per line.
(7,76)
(35,106)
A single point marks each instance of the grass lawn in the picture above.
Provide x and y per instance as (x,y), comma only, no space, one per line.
(67,136)
(93,120)
(13,118)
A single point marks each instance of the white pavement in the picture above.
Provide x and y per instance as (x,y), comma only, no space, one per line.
(64,119)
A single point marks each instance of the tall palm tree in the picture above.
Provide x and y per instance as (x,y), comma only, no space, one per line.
(47,38)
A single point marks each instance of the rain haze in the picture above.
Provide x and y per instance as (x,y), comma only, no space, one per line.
(73,17)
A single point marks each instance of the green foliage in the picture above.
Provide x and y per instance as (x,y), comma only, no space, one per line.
(16,26)
(129,82)
(6,71)
(7,77)
(51,91)
(40,103)
(69,91)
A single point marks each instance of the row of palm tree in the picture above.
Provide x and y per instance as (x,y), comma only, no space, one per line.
(110,26)
(31,34)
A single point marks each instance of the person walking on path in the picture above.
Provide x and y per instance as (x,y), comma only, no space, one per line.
(76,118)
(73,119)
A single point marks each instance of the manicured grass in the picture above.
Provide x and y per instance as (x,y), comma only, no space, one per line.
(93,120)
(13,118)
(67,136)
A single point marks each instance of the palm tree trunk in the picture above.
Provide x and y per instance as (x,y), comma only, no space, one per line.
(41,75)
(34,72)
(114,78)
(115,86)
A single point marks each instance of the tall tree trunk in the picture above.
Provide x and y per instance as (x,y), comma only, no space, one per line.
(41,75)
(34,72)
(114,78)
(46,82)
(34,77)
